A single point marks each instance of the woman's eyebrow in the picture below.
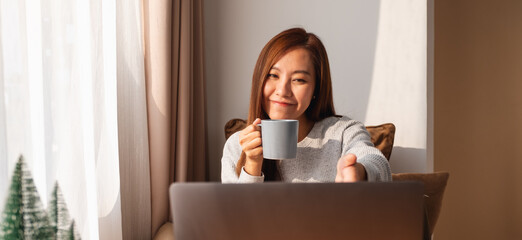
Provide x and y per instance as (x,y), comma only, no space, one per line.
(296,71)
(303,72)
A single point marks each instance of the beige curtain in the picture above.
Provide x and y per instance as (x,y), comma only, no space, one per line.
(173,36)
(132,123)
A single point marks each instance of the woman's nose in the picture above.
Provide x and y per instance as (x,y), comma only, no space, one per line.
(283,88)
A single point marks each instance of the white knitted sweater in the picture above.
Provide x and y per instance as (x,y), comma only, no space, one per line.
(317,154)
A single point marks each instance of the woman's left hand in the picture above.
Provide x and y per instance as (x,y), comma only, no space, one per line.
(349,170)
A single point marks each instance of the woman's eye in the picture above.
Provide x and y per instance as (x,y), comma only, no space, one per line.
(299,80)
(270,75)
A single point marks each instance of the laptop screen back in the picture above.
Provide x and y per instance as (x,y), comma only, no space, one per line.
(363,210)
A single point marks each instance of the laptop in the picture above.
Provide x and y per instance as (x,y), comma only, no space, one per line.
(364,210)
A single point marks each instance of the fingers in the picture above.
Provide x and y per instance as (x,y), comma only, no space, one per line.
(349,174)
(257,121)
(250,141)
(346,169)
(250,128)
(345,161)
(249,137)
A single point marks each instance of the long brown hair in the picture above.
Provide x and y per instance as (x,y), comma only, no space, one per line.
(320,107)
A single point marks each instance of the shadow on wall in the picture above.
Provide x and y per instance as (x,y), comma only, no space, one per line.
(407,159)
(235,32)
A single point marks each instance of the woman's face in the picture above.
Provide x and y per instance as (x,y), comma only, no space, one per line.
(289,86)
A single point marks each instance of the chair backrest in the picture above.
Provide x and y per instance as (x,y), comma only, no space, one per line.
(434,186)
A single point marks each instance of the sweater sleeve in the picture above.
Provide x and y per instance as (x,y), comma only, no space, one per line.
(231,153)
(357,140)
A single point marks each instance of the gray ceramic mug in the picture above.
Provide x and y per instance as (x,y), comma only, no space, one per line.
(279,139)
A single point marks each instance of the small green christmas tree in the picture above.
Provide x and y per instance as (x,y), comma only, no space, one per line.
(59,216)
(23,216)
(73,233)
(12,219)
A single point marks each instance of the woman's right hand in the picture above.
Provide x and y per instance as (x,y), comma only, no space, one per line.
(250,141)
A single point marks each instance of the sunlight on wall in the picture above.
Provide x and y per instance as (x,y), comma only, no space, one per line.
(398,88)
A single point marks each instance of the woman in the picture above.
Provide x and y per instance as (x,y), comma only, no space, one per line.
(292,81)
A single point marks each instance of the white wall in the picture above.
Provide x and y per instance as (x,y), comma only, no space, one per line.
(377,53)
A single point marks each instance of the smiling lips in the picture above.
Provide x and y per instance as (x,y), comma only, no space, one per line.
(282,104)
